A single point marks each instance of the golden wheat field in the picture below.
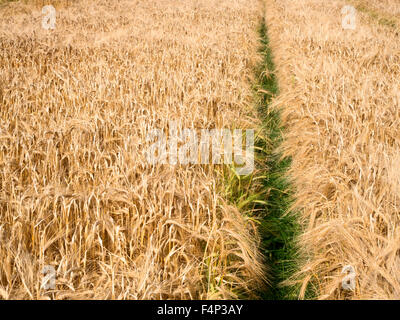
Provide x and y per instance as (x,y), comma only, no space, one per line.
(340,96)
(76,190)
(78,194)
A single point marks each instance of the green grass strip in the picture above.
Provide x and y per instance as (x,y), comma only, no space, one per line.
(279,227)
(267,195)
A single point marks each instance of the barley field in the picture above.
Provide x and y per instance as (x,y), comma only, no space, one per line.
(76,192)
(79,103)
(340,99)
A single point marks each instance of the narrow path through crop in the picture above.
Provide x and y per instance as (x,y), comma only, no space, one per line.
(268,192)
(279,226)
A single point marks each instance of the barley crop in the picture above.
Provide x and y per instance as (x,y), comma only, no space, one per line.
(340,102)
(76,192)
